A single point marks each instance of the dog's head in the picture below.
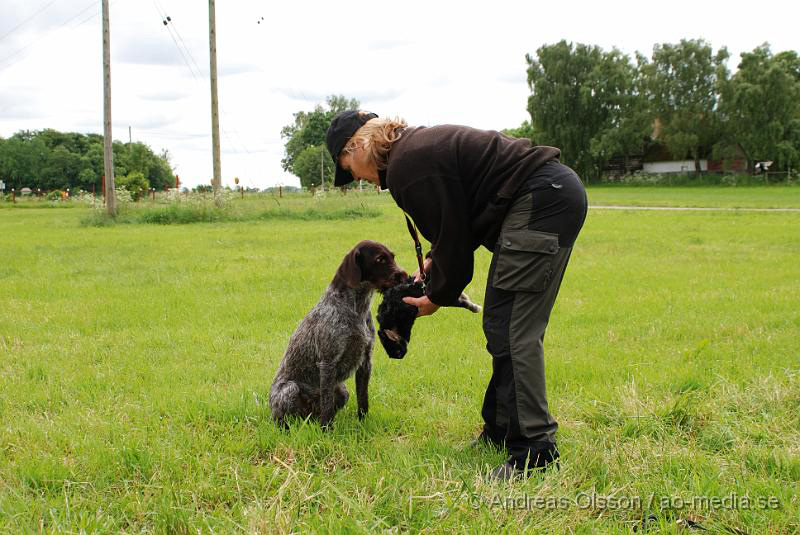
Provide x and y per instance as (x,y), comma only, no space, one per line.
(370,262)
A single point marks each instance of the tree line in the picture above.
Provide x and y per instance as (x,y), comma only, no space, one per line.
(597,105)
(51,160)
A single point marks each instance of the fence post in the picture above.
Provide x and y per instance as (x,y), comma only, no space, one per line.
(13,196)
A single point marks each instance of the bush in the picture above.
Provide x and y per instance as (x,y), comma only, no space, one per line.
(177,214)
(198,208)
(135,183)
(312,214)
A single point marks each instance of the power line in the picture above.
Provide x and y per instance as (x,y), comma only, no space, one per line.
(18,26)
(7,62)
(166,19)
(170,23)
(187,55)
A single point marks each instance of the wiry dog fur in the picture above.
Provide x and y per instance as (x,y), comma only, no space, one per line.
(334,340)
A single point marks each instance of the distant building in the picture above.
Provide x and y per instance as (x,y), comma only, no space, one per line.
(657,159)
(673,166)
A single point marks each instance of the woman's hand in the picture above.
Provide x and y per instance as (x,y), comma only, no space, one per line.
(426,306)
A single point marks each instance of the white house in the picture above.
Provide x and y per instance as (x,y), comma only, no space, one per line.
(673,166)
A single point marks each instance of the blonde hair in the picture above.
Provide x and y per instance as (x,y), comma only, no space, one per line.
(376,137)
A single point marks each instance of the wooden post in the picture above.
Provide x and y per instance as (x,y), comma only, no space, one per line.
(108,154)
(212,43)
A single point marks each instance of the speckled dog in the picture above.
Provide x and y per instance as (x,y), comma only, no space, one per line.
(334,340)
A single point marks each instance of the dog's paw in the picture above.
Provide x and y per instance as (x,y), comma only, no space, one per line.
(465,302)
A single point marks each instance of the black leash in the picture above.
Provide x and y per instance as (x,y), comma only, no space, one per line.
(412,229)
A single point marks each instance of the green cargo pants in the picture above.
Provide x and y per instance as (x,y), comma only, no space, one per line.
(525,275)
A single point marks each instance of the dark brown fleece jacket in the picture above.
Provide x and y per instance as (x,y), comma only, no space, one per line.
(456,183)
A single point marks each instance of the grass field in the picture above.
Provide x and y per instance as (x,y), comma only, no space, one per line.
(135,363)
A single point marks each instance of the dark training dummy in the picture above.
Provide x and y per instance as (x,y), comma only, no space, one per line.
(395,318)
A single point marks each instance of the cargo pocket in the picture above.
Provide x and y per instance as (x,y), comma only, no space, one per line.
(525,260)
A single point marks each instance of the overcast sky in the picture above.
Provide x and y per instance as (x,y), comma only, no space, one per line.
(431,62)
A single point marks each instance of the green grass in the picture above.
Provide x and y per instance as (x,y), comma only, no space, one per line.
(715,197)
(135,363)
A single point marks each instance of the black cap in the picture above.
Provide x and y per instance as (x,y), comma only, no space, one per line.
(342,128)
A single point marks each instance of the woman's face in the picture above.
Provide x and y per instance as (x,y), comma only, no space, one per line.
(359,166)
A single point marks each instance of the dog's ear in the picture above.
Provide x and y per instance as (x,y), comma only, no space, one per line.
(349,272)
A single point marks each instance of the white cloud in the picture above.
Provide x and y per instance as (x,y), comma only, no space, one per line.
(429,62)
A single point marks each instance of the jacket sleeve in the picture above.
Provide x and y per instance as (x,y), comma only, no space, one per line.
(438,206)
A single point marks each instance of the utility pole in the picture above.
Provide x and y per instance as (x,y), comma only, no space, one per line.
(212,42)
(108,154)
(130,138)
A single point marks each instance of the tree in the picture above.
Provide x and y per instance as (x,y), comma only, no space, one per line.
(22,159)
(309,129)
(61,170)
(49,159)
(586,102)
(682,83)
(307,166)
(525,130)
(761,107)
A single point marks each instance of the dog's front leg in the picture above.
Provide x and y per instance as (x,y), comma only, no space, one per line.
(362,384)
(326,394)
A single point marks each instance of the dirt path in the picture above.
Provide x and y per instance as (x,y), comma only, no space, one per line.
(692,208)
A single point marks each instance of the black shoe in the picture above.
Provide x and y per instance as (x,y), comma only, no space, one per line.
(484,441)
(537,461)
(541,457)
(505,472)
